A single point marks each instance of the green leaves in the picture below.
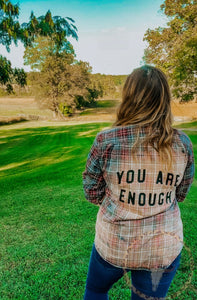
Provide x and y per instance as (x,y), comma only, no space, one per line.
(5,70)
(9,25)
(9,75)
(60,80)
(56,28)
(20,76)
(174,48)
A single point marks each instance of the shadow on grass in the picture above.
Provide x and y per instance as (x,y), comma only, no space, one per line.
(45,152)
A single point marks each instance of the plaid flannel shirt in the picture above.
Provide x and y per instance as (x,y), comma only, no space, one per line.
(138,223)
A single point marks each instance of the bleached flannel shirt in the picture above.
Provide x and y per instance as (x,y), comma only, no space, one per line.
(138,223)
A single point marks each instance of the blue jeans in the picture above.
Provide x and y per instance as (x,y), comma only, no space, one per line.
(145,284)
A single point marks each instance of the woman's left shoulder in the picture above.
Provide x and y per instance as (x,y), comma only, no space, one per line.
(182,136)
(106,134)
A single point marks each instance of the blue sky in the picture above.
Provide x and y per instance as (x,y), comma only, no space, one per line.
(110,31)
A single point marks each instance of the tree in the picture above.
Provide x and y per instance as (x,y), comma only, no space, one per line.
(9,26)
(42,47)
(60,82)
(174,48)
(20,76)
(55,28)
(5,70)
(9,75)
(63,85)
(10,31)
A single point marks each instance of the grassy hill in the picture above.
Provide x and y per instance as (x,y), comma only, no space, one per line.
(47,226)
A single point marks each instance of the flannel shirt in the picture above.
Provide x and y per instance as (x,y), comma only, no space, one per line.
(138,223)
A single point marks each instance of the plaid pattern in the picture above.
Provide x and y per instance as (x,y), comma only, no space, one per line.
(138,224)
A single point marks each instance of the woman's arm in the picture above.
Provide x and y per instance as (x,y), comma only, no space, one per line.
(93,181)
(183,188)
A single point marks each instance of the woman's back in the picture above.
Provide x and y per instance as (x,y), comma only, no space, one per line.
(139,219)
(137,171)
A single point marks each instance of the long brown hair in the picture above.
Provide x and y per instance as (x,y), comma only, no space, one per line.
(146,101)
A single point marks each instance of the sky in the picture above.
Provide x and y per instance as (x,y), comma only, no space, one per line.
(110,31)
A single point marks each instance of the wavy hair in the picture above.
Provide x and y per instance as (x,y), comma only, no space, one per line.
(146,101)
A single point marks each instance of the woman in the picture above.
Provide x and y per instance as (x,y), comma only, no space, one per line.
(137,172)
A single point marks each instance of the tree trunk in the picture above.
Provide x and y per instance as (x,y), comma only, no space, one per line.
(57,114)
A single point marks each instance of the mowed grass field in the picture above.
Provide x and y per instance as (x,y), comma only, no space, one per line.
(47,226)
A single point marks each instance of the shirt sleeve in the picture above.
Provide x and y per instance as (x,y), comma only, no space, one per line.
(93,181)
(184,187)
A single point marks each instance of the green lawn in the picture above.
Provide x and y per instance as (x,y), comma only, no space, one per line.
(102,106)
(192,125)
(47,226)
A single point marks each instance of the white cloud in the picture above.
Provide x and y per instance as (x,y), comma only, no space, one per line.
(114,50)
(15,55)
(121,29)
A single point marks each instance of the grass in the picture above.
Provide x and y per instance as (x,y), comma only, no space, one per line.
(192,125)
(107,103)
(46,225)
(101,106)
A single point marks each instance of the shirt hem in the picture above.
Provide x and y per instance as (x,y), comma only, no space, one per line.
(140,268)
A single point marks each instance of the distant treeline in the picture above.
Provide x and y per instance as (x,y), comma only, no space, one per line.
(110,85)
(107,86)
